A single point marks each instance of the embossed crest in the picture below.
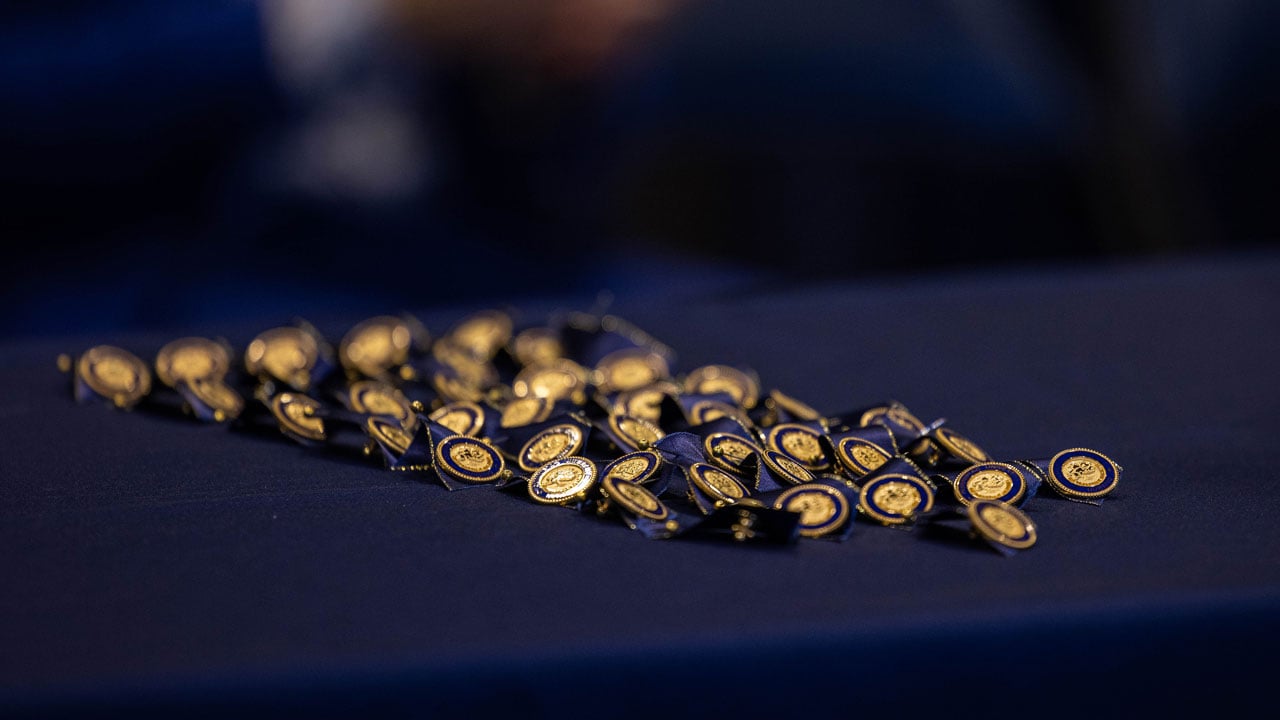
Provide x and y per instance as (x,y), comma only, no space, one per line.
(822,509)
(895,498)
(635,433)
(469,459)
(1002,524)
(1083,473)
(372,397)
(996,481)
(634,498)
(716,484)
(800,443)
(860,456)
(114,374)
(566,480)
(553,443)
(729,451)
(636,467)
(391,434)
(786,469)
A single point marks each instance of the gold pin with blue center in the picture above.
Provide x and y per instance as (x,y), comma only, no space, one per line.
(995,481)
(800,443)
(1002,525)
(390,433)
(113,374)
(960,446)
(462,417)
(553,443)
(895,498)
(729,451)
(633,498)
(373,397)
(860,456)
(469,459)
(823,509)
(645,402)
(565,481)
(705,411)
(721,487)
(713,379)
(1083,473)
(637,467)
(634,433)
(785,469)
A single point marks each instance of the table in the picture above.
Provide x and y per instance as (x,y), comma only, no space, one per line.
(157,567)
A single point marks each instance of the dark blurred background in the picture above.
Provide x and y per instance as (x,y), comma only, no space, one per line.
(172,161)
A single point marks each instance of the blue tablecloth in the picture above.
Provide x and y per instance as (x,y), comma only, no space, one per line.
(158,567)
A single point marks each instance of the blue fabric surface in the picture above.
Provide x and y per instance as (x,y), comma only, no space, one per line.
(159,567)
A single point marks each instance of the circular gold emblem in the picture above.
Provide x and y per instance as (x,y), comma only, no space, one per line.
(895,498)
(191,358)
(225,402)
(299,416)
(376,345)
(286,354)
(716,484)
(1083,473)
(786,469)
(895,414)
(462,417)
(390,434)
(553,443)
(800,443)
(557,381)
(961,446)
(634,467)
(1002,524)
(711,379)
(629,369)
(729,451)
(861,456)
(566,480)
(455,388)
(537,346)
(793,407)
(482,333)
(469,459)
(822,509)
(635,499)
(634,433)
(372,397)
(990,481)
(525,411)
(115,374)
